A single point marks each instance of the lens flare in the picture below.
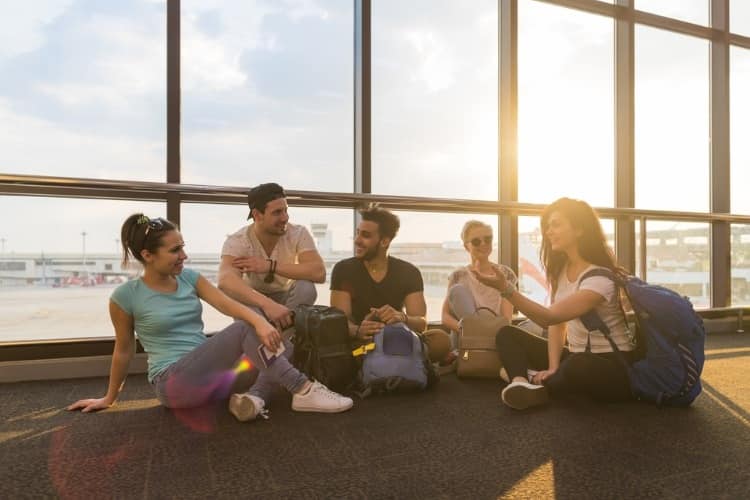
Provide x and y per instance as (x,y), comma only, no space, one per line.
(191,400)
(243,365)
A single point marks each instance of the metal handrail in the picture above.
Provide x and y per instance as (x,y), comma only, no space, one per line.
(36,185)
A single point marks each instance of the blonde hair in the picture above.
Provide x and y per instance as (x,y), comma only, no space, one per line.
(472,224)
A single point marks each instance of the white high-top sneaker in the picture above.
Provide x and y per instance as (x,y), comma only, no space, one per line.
(521,395)
(246,407)
(320,398)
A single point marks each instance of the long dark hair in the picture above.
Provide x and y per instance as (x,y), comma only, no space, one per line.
(140,233)
(592,244)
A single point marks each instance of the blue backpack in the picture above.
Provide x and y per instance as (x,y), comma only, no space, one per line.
(670,338)
(397,362)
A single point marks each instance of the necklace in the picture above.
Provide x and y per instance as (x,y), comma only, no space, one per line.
(374,269)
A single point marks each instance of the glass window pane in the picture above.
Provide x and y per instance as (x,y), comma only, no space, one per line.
(434,98)
(740,264)
(267,93)
(692,11)
(83,89)
(532,280)
(739,87)
(432,242)
(56,279)
(671,121)
(739,17)
(678,257)
(205,227)
(565,105)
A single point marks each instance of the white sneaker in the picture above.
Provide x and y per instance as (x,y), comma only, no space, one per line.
(521,395)
(246,407)
(530,374)
(320,398)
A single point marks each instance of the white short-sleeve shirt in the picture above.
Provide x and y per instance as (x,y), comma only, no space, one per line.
(245,243)
(609,311)
(484,296)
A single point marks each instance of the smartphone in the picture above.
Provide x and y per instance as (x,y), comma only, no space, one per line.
(268,356)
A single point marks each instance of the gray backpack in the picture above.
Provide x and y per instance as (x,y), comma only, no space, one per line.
(399,362)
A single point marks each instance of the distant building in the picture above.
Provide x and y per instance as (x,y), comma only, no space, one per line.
(677,259)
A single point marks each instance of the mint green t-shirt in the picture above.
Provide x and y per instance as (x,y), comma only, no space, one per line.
(169,325)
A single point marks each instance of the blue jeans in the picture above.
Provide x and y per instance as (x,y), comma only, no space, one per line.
(301,292)
(207,372)
(461,301)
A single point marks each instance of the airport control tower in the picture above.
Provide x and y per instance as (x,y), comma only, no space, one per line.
(323,237)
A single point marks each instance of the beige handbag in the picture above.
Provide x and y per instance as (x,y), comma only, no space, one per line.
(477,355)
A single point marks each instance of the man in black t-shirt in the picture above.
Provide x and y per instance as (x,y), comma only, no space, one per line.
(374,289)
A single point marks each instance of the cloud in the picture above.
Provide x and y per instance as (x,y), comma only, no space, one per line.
(436,68)
(24,30)
(65,151)
(96,69)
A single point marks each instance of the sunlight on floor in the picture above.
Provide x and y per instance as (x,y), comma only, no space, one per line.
(708,392)
(539,483)
(44,413)
(134,404)
(44,432)
(7,436)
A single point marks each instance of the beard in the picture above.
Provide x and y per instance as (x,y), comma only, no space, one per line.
(369,254)
(277,230)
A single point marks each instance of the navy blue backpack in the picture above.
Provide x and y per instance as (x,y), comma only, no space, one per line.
(670,337)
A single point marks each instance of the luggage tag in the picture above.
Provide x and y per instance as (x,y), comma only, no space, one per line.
(268,356)
(360,351)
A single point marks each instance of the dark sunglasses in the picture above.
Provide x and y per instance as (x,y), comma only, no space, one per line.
(478,241)
(157,224)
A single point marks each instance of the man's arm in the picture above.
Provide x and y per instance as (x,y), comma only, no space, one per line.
(231,283)
(416,311)
(342,300)
(310,266)
(364,331)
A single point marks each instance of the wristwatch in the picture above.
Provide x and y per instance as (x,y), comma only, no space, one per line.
(507,293)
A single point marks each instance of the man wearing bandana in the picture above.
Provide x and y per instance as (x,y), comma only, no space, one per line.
(271,265)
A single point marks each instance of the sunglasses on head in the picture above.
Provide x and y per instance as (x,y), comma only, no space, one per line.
(478,241)
(157,224)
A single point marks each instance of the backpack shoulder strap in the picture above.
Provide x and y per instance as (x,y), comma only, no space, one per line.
(601,272)
(591,320)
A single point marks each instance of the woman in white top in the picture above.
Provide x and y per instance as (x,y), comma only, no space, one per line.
(572,244)
(465,292)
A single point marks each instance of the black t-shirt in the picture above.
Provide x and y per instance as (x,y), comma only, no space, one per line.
(351,276)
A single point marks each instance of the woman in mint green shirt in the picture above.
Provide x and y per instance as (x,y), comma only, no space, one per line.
(186,368)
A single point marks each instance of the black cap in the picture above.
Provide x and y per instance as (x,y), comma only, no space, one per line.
(260,195)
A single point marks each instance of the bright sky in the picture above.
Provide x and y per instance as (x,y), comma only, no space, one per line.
(267,95)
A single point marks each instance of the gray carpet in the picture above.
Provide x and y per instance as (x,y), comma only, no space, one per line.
(456,441)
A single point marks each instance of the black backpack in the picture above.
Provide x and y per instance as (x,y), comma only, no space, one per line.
(322,347)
